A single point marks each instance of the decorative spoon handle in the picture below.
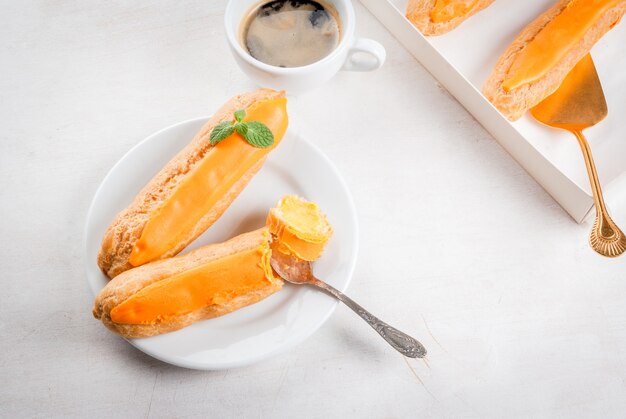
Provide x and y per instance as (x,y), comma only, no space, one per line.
(606,238)
(402,342)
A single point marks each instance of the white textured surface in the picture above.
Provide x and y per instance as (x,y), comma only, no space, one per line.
(459,247)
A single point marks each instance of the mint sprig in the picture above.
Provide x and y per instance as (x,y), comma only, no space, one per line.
(256,133)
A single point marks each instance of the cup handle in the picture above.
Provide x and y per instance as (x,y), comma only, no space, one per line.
(366,46)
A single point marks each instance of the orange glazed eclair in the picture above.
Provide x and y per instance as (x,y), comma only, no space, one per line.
(538,60)
(193,189)
(436,17)
(169,294)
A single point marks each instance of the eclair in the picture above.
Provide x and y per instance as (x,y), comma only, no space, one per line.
(542,55)
(194,188)
(436,17)
(172,293)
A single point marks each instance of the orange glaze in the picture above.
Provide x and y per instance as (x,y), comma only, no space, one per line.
(554,41)
(222,166)
(290,243)
(299,227)
(446,10)
(216,282)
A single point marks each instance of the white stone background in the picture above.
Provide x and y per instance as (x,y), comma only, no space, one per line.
(459,246)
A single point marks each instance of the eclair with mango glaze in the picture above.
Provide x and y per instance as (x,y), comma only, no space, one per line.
(436,17)
(193,189)
(535,64)
(170,294)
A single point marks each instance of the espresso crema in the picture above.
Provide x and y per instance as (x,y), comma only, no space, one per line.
(291,33)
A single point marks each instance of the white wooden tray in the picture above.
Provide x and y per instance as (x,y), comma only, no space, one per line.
(462,59)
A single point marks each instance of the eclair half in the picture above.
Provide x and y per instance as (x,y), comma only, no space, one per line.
(169,294)
(193,189)
(542,55)
(436,17)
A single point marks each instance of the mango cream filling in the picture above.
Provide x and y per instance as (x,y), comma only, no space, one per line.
(215,282)
(299,227)
(446,10)
(222,166)
(554,41)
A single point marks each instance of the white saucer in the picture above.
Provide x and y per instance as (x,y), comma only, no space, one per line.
(275,324)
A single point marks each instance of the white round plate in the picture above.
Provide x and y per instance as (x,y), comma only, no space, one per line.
(282,320)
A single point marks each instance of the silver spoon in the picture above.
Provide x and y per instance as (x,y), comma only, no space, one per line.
(299,272)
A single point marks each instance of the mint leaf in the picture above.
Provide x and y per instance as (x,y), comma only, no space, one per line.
(258,134)
(242,128)
(239,115)
(221,131)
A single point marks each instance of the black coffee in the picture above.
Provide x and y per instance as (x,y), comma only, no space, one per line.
(292,33)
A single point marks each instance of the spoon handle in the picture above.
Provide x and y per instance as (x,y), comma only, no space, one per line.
(402,342)
(606,238)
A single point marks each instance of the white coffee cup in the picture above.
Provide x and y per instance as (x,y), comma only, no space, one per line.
(301,79)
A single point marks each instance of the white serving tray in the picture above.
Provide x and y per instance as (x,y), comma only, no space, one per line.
(462,59)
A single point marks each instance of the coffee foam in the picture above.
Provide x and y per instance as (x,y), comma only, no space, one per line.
(291,33)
